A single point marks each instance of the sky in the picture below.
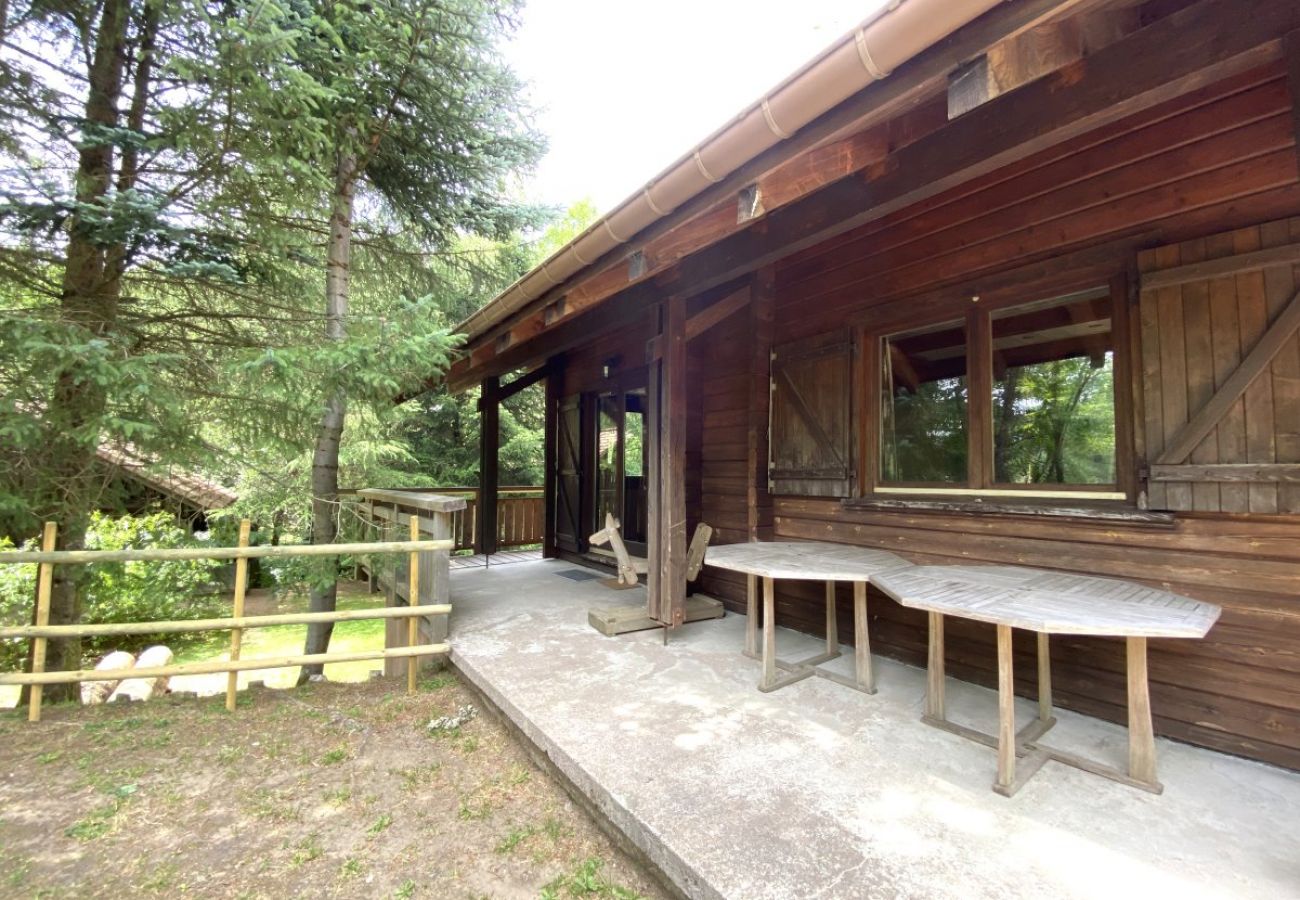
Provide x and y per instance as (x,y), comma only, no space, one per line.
(623,89)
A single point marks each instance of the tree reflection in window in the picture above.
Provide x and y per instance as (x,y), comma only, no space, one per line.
(924,419)
(1053,392)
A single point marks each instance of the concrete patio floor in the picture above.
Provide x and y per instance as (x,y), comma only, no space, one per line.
(817,791)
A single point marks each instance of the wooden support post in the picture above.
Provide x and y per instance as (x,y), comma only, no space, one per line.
(751,615)
(413,599)
(832,626)
(44,586)
(237,634)
(489,447)
(672,466)
(1141,735)
(758,502)
(1044,677)
(550,493)
(934,699)
(863,667)
(1006,714)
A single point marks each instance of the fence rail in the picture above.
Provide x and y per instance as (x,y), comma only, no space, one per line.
(521,514)
(41,631)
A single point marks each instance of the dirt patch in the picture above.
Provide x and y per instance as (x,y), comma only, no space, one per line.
(330,790)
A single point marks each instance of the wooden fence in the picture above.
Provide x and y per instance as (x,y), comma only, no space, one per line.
(42,631)
(521,514)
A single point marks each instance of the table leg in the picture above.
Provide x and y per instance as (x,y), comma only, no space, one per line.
(934,699)
(751,620)
(861,643)
(1044,678)
(832,626)
(1141,735)
(1006,713)
(769,634)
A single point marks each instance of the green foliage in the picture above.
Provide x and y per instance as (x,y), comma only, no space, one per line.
(122,592)
(1055,423)
(925,433)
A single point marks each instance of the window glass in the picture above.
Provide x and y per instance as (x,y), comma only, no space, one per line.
(609,451)
(923,421)
(1053,392)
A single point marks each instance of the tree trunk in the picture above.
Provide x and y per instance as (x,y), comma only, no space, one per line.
(325,458)
(89,298)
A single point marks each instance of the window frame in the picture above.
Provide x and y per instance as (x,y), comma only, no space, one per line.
(978,327)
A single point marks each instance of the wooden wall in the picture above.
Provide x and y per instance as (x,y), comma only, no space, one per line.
(1201,165)
(1217,159)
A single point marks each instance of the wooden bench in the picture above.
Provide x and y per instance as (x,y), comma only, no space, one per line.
(1048,603)
(806,561)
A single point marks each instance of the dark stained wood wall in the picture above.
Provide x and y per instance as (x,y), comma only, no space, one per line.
(1219,158)
(1079,214)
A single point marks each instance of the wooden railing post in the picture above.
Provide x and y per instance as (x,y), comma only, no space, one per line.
(44,586)
(237,634)
(413,599)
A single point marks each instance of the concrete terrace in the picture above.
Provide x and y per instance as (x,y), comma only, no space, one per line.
(817,791)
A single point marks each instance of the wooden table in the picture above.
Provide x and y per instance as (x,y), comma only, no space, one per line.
(806,561)
(1048,603)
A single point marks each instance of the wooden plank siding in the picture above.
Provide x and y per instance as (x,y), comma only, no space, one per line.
(1206,329)
(1159,189)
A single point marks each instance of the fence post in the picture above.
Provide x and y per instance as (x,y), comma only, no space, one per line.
(413,599)
(237,634)
(44,585)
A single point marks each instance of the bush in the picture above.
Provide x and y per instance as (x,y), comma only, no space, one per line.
(124,592)
(17,592)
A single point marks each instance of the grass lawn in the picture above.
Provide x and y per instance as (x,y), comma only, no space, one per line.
(323,791)
(287,640)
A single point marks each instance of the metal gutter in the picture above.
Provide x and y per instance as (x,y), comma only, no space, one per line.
(868,53)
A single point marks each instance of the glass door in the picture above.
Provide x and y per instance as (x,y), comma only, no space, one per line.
(621,487)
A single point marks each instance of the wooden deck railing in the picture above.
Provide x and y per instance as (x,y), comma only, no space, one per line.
(434,584)
(521,514)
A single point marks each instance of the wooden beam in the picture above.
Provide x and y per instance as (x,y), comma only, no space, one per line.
(1228,472)
(1177,54)
(1256,361)
(672,466)
(758,500)
(506,391)
(550,459)
(489,438)
(1285,255)
(728,306)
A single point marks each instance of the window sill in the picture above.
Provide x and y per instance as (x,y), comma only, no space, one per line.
(1080,509)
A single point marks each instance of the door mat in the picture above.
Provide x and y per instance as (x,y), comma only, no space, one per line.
(579,575)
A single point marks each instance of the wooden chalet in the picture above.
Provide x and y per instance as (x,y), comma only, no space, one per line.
(987,282)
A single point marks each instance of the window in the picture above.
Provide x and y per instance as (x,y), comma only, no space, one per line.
(1046,417)
(924,407)
(1054,394)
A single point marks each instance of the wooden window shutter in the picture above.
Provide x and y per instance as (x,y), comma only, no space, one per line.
(1221,371)
(568,475)
(812,449)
